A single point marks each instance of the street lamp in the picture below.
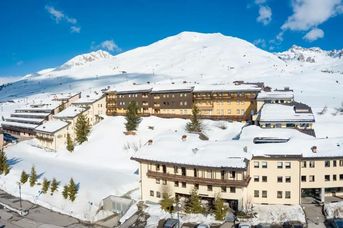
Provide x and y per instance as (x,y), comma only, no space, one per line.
(21,206)
(177,207)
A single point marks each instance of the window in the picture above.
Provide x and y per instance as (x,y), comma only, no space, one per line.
(158,194)
(287,165)
(229,111)
(340,162)
(157,181)
(176,169)
(223,189)
(264,194)
(334,163)
(311,164)
(279,179)
(195,172)
(184,184)
(288,179)
(279,165)
(183,171)
(157,167)
(256,164)
(327,163)
(311,178)
(256,178)
(264,164)
(264,178)
(340,176)
(327,177)
(232,174)
(303,164)
(232,189)
(176,183)
(151,193)
(209,188)
(287,194)
(256,194)
(164,182)
(238,111)
(334,177)
(279,194)
(303,178)
(196,186)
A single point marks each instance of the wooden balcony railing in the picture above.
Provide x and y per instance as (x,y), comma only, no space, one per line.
(199,180)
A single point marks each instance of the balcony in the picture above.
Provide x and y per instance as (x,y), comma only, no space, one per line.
(199,180)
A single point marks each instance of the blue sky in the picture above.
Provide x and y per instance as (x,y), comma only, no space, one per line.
(38,34)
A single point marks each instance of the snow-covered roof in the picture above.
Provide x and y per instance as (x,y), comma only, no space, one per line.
(33,114)
(64,96)
(89,98)
(52,126)
(276,95)
(22,125)
(226,88)
(133,88)
(224,154)
(19,119)
(164,88)
(70,112)
(283,113)
(47,107)
(234,153)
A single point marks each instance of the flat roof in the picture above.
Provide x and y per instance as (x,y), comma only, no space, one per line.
(36,114)
(226,88)
(234,153)
(283,113)
(70,112)
(166,88)
(273,95)
(52,126)
(89,98)
(18,119)
(21,125)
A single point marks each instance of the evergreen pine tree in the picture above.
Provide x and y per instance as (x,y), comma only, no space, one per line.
(45,186)
(82,129)
(33,177)
(195,124)
(65,192)
(73,189)
(70,144)
(24,177)
(132,117)
(220,209)
(194,203)
(167,202)
(4,166)
(54,185)
(6,169)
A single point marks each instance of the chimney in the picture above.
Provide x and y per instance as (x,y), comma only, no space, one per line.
(314,149)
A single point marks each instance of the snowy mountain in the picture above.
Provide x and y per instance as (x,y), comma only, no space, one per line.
(192,57)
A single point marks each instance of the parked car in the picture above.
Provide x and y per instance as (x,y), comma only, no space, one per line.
(9,138)
(263,225)
(292,225)
(244,225)
(337,223)
(171,223)
(201,225)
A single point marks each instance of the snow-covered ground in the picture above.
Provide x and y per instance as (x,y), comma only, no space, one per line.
(102,165)
(334,210)
(276,214)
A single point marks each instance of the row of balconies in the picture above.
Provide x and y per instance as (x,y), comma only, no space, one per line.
(199,180)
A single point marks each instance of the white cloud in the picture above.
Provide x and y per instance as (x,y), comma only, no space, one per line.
(75,29)
(258,2)
(108,45)
(310,13)
(260,42)
(20,62)
(264,15)
(58,16)
(314,34)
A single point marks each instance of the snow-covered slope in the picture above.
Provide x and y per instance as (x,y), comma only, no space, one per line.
(195,57)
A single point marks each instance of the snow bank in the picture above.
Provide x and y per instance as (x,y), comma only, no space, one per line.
(334,210)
